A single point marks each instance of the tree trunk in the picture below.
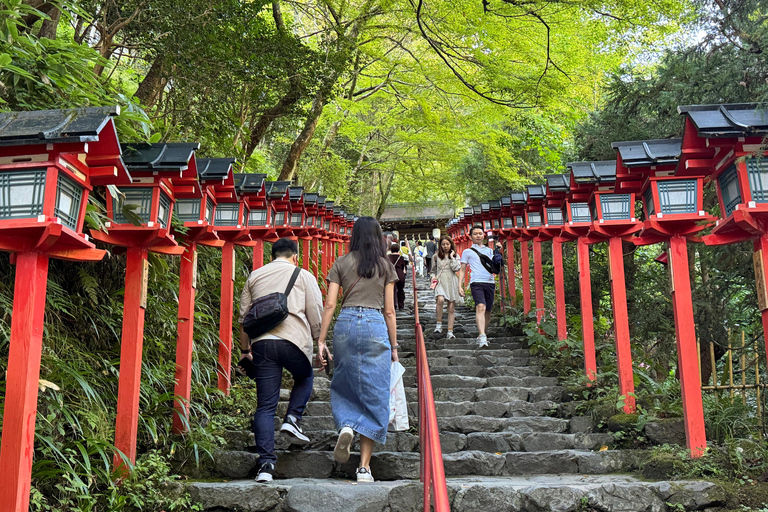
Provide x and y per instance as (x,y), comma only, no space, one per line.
(149,88)
(304,138)
(279,109)
(49,26)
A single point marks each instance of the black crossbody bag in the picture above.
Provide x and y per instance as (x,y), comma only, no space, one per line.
(269,311)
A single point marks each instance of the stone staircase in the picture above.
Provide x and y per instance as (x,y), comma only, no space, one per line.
(507,440)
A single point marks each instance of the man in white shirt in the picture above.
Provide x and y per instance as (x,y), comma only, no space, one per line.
(481,282)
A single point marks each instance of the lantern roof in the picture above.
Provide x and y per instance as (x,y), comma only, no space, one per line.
(54,126)
(728,120)
(94,126)
(506,201)
(338,210)
(163,157)
(296,193)
(644,153)
(321,201)
(310,199)
(277,189)
(495,205)
(536,192)
(485,207)
(250,183)
(519,197)
(477,210)
(593,172)
(216,169)
(558,182)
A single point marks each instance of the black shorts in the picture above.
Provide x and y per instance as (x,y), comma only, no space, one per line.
(482,293)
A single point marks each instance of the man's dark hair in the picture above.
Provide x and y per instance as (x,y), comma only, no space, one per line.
(476,226)
(431,238)
(284,248)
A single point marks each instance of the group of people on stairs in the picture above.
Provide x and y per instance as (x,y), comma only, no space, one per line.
(364,334)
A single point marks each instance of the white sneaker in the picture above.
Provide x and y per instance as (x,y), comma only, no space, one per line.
(266,472)
(482,341)
(343,444)
(292,430)
(450,335)
(438,328)
(364,475)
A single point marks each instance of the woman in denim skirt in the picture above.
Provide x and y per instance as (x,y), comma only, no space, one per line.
(364,342)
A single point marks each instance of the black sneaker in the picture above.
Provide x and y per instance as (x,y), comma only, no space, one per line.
(291,428)
(266,472)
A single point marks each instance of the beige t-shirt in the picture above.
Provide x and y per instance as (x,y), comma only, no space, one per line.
(368,292)
(305,303)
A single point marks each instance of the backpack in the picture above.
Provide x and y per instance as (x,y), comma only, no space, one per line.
(269,311)
(493,266)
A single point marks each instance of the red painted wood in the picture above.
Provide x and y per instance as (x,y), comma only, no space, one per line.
(258,254)
(23,375)
(587,319)
(132,342)
(538,280)
(511,271)
(184,343)
(315,249)
(305,254)
(557,262)
(687,353)
(225,316)
(762,244)
(526,276)
(621,323)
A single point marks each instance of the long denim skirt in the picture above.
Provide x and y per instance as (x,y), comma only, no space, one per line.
(360,386)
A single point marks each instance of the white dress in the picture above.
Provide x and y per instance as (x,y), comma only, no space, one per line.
(447,281)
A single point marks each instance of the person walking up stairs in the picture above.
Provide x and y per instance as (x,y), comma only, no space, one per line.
(504,446)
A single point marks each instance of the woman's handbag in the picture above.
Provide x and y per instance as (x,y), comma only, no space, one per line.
(398,406)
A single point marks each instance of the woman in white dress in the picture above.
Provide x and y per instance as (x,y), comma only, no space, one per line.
(444,267)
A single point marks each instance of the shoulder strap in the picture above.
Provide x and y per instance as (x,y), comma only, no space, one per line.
(346,293)
(477,252)
(292,281)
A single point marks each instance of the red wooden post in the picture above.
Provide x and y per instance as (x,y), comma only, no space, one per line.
(687,353)
(621,323)
(526,276)
(557,259)
(132,342)
(305,253)
(258,254)
(538,280)
(22,380)
(185,344)
(760,259)
(225,317)
(511,271)
(316,256)
(587,322)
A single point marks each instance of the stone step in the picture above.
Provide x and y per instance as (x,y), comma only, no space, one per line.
(466,494)
(499,394)
(405,465)
(470,424)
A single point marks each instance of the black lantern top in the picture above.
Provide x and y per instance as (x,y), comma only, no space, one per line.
(558,182)
(277,189)
(593,172)
(519,198)
(170,157)
(645,153)
(728,120)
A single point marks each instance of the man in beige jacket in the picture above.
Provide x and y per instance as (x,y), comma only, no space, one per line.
(289,346)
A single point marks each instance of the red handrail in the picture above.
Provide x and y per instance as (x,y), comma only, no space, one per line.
(432,469)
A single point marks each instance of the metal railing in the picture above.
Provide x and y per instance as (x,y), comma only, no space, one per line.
(432,469)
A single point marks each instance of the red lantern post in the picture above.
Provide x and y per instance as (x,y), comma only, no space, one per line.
(51,160)
(534,213)
(674,213)
(506,232)
(141,226)
(252,187)
(584,176)
(519,202)
(195,207)
(554,220)
(231,225)
(613,219)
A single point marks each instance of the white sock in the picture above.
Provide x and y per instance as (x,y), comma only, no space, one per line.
(450,331)
(439,324)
